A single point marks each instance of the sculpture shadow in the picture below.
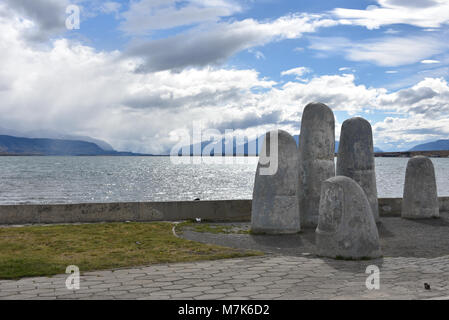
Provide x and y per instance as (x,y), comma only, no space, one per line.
(384,232)
(296,244)
(434,222)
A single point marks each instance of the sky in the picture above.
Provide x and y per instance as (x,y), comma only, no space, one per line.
(140,74)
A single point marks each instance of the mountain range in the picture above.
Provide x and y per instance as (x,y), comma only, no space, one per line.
(10,145)
(52,143)
(432,146)
(52,134)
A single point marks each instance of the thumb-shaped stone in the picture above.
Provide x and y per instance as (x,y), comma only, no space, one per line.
(346,227)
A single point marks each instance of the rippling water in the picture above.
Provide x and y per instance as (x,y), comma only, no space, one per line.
(113,179)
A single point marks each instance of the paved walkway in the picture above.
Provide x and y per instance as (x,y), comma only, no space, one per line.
(266,277)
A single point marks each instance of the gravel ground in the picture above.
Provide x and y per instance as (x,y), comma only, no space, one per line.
(427,238)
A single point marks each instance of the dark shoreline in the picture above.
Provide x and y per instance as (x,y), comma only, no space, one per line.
(402,154)
(410,154)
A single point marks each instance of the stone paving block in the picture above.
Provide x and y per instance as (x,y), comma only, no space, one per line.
(106,285)
(114,292)
(209,297)
(145,290)
(251,288)
(197,289)
(224,286)
(219,291)
(235,298)
(265,296)
(155,298)
(8,293)
(18,297)
(158,284)
(186,295)
(127,288)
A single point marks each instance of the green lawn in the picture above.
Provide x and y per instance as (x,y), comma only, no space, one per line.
(48,250)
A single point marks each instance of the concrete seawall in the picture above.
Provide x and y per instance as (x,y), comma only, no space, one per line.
(216,210)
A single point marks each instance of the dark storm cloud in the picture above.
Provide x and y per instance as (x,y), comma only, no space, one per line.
(202,99)
(433,110)
(249,120)
(409,97)
(413,3)
(197,49)
(48,15)
(412,96)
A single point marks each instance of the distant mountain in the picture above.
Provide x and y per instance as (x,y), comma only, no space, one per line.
(56,135)
(249,148)
(53,147)
(52,134)
(49,147)
(432,146)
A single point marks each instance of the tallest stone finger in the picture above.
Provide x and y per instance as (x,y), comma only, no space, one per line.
(316,159)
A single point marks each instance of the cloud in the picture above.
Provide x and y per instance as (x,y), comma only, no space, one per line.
(194,88)
(421,114)
(258,55)
(428,98)
(429,61)
(46,18)
(213,44)
(145,16)
(248,120)
(419,13)
(109,7)
(76,89)
(404,133)
(409,3)
(413,95)
(103,98)
(386,51)
(391,31)
(300,71)
(338,91)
